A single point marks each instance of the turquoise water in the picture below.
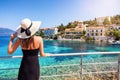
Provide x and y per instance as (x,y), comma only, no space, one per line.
(61,47)
(53,47)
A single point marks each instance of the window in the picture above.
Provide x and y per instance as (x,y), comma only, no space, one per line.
(88,34)
(92,34)
(80,33)
(118,28)
(74,32)
(96,34)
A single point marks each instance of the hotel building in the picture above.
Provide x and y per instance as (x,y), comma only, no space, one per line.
(74,33)
(96,33)
(50,31)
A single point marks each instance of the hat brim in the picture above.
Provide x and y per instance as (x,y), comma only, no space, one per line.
(34,28)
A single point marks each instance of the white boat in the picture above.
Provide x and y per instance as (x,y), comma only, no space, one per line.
(115,42)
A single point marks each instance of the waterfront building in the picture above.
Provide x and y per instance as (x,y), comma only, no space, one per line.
(96,33)
(42,29)
(50,31)
(75,33)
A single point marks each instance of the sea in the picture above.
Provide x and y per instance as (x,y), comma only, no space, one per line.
(9,66)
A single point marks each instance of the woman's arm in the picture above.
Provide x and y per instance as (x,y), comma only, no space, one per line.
(13,46)
(41,48)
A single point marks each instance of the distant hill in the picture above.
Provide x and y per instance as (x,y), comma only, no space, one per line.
(6,32)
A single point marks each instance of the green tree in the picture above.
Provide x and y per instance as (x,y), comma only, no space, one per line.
(83,33)
(106,22)
(115,33)
(112,20)
(39,33)
(95,22)
(61,28)
(72,25)
(89,38)
(85,22)
(115,19)
(91,22)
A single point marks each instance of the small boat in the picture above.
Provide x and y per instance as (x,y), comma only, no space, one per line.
(115,42)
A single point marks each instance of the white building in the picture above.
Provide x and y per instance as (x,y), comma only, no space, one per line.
(75,33)
(50,31)
(97,33)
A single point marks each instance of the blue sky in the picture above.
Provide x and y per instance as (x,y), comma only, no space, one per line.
(54,12)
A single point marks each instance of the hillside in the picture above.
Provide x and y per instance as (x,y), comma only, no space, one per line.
(5,32)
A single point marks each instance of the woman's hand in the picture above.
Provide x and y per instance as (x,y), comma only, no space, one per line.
(13,46)
(47,54)
(13,36)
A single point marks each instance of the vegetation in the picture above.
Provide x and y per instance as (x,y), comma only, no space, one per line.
(40,33)
(115,19)
(115,33)
(61,28)
(72,25)
(89,39)
(91,22)
(106,22)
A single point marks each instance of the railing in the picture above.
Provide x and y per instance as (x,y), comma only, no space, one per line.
(80,71)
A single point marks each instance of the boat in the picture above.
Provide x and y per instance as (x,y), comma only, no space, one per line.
(115,42)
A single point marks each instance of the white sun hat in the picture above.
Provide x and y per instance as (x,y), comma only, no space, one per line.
(27,28)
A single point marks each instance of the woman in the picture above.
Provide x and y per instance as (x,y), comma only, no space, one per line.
(30,44)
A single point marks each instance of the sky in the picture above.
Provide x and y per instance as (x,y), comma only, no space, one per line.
(54,12)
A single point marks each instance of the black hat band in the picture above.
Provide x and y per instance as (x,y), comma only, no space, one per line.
(27,31)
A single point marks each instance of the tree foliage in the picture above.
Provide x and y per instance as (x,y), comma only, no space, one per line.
(39,33)
(61,28)
(106,22)
(83,33)
(115,33)
(71,25)
(115,19)
(91,22)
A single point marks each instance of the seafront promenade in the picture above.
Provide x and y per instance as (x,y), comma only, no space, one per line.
(81,68)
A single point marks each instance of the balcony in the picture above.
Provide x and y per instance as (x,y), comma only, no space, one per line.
(80,69)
